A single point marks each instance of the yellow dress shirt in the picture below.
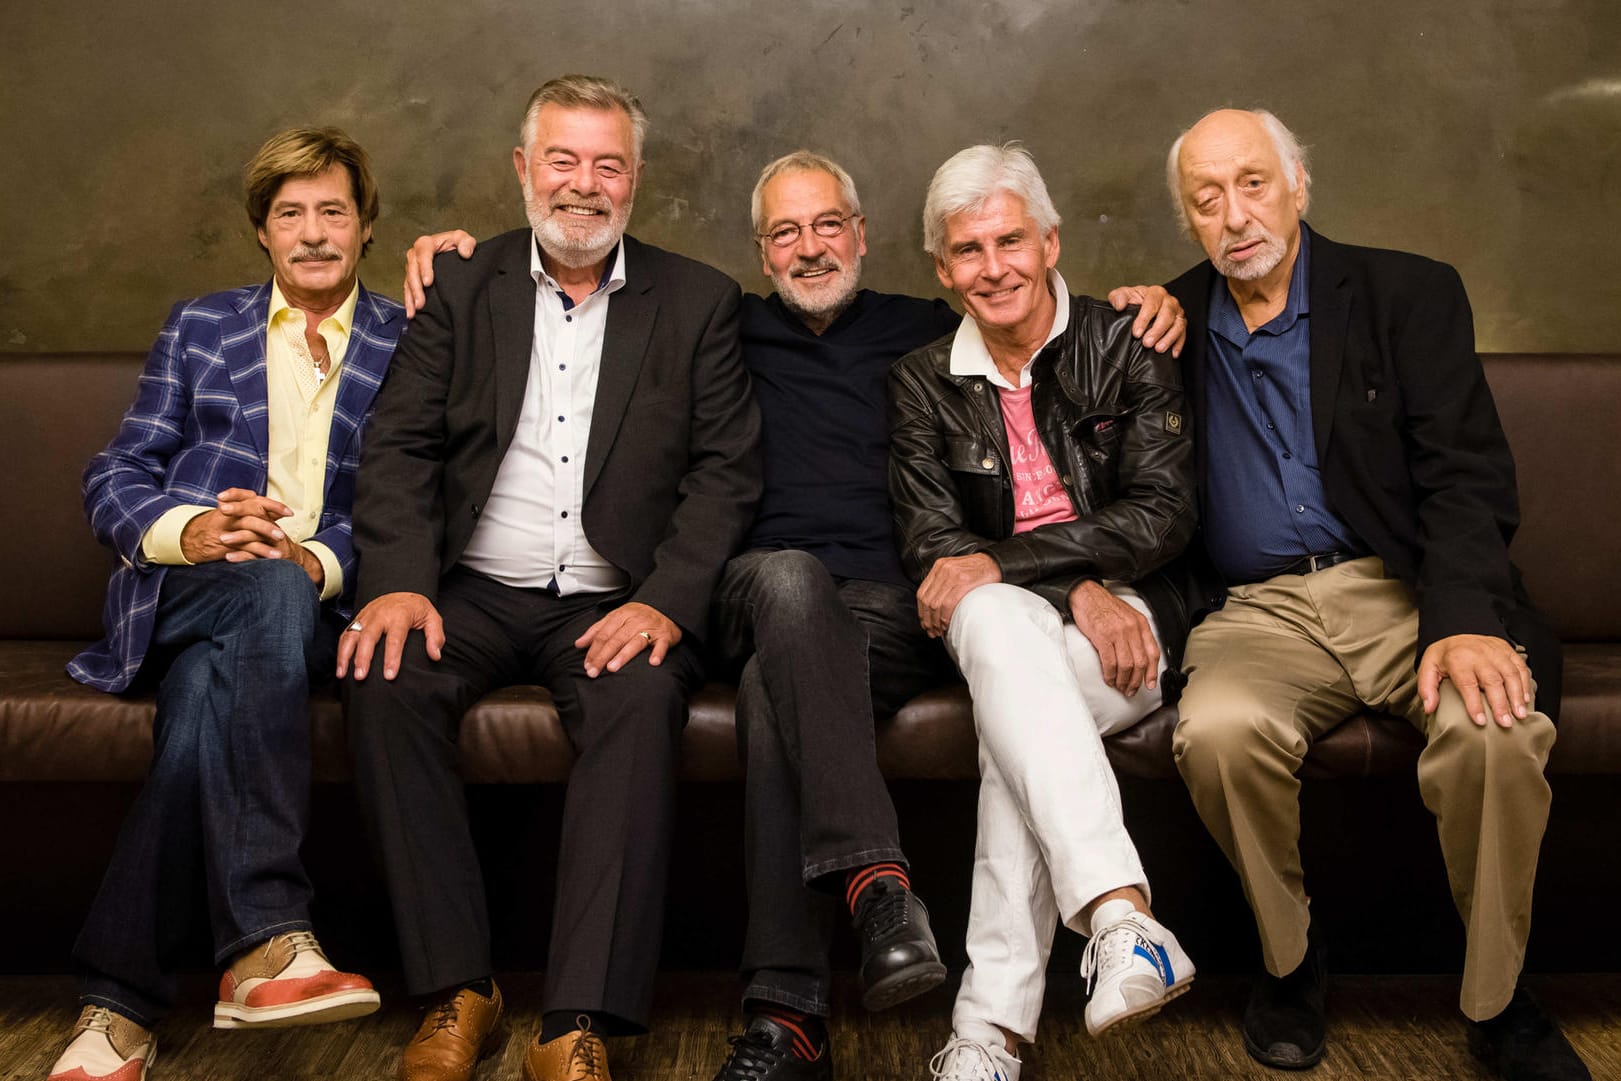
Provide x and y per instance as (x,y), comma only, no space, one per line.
(300,420)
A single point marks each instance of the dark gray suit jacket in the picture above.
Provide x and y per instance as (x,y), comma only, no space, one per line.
(672,473)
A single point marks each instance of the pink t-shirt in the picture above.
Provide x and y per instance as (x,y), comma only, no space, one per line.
(1038,496)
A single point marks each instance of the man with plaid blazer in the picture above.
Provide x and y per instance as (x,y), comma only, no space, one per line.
(226,494)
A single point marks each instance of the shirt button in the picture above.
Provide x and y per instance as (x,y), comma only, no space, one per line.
(1300,508)
(562,367)
(568,319)
(1256,373)
(565,457)
(1287,456)
(565,514)
(1271,427)
(559,420)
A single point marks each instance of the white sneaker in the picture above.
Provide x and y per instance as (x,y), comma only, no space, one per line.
(970,1060)
(1132,967)
(106,1046)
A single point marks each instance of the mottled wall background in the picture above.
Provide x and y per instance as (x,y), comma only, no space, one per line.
(1487,134)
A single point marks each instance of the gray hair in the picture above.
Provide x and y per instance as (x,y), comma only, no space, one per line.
(802,161)
(970,177)
(584,92)
(1290,153)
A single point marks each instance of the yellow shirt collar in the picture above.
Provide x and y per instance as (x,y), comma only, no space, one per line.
(344,316)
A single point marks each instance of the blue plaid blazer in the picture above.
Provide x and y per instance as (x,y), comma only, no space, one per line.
(200,424)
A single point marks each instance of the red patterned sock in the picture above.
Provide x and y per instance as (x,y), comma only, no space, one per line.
(859,879)
(810,1034)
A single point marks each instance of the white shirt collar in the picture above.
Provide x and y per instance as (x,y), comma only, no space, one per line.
(616,276)
(970,357)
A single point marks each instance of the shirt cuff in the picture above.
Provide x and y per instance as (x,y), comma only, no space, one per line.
(332,585)
(161,544)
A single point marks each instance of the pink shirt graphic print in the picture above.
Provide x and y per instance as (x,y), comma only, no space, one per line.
(1038,496)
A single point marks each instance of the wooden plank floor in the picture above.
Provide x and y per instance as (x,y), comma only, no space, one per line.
(1390,1028)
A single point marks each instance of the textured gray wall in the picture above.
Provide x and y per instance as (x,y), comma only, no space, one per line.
(1486,134)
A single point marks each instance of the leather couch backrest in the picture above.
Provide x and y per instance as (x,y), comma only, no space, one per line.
(1560,412)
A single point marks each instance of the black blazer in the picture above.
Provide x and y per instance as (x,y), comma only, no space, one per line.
(1412,455)
(672,473)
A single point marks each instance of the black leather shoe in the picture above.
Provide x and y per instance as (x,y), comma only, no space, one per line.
(1284,1023)
(899,959)
(765,1052)
(1523,1044)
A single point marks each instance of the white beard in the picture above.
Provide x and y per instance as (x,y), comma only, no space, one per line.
(1257,266)
(575,241)
(824,304)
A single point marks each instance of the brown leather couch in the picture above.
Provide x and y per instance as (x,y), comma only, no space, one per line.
(58,409)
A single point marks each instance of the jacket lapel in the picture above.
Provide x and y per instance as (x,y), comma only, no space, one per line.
(1330,318)
(512,313)
(242,350)
(631,312)
(371,346)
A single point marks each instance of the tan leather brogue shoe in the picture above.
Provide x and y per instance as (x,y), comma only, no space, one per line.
(287,980)
(573,1056)
(452,1037)
(105,1046)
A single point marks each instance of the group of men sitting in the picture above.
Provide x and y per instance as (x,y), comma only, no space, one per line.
(1277,495)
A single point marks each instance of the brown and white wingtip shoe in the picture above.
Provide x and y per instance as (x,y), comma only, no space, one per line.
(287,980)
(105,1046)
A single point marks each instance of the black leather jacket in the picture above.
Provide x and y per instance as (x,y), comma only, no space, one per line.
(1112,418)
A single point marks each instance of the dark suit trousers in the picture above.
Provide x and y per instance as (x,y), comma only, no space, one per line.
(624,727)
(820,658)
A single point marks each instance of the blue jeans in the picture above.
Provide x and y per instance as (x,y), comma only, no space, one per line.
(226,800)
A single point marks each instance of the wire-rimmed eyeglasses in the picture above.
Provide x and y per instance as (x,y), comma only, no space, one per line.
(827,227)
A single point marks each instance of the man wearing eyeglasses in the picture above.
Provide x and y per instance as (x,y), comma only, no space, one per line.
(816,599)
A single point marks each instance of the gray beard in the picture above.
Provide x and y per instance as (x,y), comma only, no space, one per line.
(828,309)
(568,248)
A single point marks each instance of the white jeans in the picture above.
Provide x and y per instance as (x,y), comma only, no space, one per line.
(1051,835)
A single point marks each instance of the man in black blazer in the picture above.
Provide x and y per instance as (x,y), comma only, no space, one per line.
(1357,502)
(561,460)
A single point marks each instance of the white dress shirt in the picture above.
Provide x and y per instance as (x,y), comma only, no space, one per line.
(530,533)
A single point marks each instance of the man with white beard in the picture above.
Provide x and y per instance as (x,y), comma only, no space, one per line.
(563,456)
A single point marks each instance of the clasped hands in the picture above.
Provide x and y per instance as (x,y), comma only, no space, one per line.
(242,526)
(610,643)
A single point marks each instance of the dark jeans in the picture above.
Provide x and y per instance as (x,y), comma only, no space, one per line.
(820,658)
(625,730)
(226,801)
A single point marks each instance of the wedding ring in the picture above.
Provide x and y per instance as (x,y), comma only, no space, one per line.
(645,635)
(355,626)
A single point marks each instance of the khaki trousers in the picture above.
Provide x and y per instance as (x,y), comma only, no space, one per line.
(1288,659)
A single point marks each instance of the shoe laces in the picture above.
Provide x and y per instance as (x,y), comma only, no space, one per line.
(444,1016)
(588,1053)
(99,1019)
(753,1057)
(962,1059)
(1110,949)
(885,913)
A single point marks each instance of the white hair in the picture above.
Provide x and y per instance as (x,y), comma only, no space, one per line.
(1290,153)
(970,177)
(802,161)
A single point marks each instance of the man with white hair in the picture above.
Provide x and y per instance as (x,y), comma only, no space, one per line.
(1357,503)
(1041,473)
(561,458)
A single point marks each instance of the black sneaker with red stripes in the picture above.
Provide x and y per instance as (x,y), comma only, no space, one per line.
(766,1052)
